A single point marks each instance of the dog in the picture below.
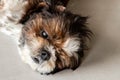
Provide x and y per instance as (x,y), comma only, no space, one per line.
(50,38)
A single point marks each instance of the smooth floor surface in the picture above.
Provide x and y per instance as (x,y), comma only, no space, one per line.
(103,60)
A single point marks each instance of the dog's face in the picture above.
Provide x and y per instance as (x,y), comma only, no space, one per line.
(54,40)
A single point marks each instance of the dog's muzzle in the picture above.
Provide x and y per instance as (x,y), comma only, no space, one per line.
(43,56)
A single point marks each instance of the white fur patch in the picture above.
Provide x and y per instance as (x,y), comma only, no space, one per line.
(71,45)
(26,57)
(45,67)
(9,15)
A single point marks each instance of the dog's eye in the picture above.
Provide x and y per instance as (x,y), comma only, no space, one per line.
(44,34)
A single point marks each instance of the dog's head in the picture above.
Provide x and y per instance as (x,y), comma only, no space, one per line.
(55,40)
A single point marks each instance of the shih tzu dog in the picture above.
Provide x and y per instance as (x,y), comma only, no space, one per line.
(49,37)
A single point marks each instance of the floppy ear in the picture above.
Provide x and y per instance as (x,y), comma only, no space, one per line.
(37,6)
(78,26)
(32,7)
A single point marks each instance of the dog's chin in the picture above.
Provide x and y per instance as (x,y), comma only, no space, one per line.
(44,68)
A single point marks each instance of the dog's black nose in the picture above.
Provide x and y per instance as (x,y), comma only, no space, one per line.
(43,56)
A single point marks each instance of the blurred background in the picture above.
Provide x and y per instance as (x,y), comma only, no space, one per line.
(103,60)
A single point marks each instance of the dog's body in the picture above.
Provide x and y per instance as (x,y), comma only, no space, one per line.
(49,38)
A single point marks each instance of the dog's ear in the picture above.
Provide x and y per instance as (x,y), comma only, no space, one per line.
(79,26)
(37,6)
(33,6)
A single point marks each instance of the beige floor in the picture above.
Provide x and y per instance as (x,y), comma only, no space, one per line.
(103,61)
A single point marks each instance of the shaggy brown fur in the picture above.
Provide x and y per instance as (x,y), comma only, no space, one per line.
(59,26)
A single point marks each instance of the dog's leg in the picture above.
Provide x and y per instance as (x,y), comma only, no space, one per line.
(10,13)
